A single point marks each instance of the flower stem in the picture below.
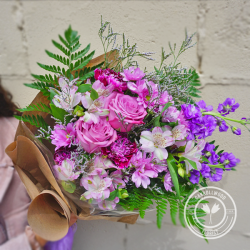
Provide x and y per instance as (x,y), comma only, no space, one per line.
(225,118)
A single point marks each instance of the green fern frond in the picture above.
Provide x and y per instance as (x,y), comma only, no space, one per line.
(47,78)
(161,207)
(42,86)
(37,121)
(51,68)
(38,107)
(60,47)
(84,61)
(81,53)
(174,207)
(60,59)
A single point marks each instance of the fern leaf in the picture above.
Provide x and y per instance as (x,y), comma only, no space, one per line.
(81,53)
(161,208)
(38,107)
(53,68)
(75,47)
(173,210)
(60,59)
(60,47)
(64,42)
(84,61)
(43,87)
(47,78)
(37,121)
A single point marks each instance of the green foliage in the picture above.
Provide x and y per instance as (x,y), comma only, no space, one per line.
(124,52)
(70,45)
(173,172)
(42,86)
(179,82)
(37,121)
(60,114)
(38,107)
(93,95)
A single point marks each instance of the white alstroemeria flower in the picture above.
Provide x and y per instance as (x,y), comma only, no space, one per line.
(157,141)
(193,153)
(65,171)
(95,108)
(67,98)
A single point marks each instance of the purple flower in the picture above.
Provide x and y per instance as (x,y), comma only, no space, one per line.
(120,151)
(205,170)
(216,174)
(227,106)
(132,74)
(222,125)
(63,136)
(202,127)
(62,154)
(236,130)
(203,107)
(228,160)
(190,111)
(195,176)
(168,184)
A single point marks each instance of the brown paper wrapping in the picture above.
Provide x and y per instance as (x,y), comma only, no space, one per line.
(49,212)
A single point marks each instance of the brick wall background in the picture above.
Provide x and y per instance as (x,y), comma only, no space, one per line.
(221,56)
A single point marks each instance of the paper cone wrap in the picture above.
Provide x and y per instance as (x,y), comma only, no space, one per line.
(51,206)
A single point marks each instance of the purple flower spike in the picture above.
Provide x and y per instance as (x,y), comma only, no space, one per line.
(195,176)
(203,107)
(222,125)
(228,106)
(236,130)
(190,111)
(228,160)
(216,174)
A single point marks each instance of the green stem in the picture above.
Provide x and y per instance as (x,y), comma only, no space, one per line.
(225,118)
(216,166)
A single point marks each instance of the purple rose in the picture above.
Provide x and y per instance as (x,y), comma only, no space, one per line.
(125,112)
(94,136)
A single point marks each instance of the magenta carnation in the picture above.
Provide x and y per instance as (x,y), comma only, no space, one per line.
(120,151)
(109,76)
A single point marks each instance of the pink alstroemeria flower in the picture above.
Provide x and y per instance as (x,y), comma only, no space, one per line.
(141,176)
(132,74)
(193,153)
(102,90)
(96,186)
(116,177)
(65,172)
(108,205)
(157,141)
(179,132)
(99,165)
(168,184)
(147,92)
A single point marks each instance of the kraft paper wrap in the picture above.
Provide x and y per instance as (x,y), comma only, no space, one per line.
(49,211)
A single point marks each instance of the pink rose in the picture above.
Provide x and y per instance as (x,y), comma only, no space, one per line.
(128,109)
(94,136)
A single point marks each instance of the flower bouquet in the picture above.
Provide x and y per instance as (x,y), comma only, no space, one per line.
(125,140)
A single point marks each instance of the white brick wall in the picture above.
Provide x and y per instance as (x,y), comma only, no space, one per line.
(222,57)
